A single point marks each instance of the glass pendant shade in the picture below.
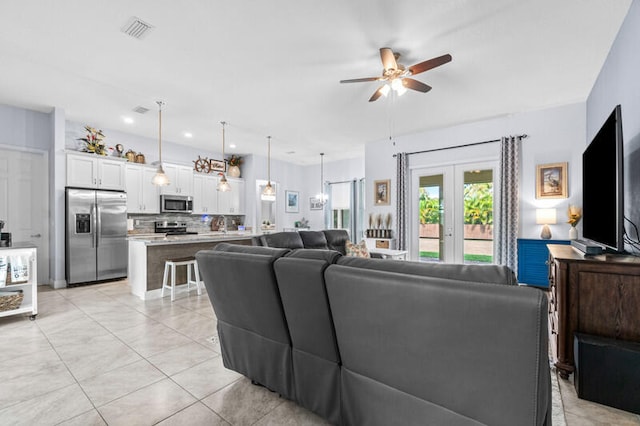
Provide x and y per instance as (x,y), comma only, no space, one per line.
(160,179)
(223,185)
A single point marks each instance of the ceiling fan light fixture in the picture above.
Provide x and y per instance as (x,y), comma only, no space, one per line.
(398,86)
(385,90)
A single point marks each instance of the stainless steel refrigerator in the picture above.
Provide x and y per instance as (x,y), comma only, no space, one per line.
(96,235)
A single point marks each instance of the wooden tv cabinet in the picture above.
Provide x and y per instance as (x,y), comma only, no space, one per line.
(593,294)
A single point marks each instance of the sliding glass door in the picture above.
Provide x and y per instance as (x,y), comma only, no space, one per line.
(452,213)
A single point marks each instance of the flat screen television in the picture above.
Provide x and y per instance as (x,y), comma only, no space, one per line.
(602,186)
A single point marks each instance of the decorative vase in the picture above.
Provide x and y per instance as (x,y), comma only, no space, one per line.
(234,171)
(573,233)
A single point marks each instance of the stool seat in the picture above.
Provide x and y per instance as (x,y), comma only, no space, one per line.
(182,259)
(170,267)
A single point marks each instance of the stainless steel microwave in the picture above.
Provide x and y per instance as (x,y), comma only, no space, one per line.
(176,203)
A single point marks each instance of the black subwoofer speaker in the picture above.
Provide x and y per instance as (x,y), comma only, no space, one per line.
(607,371)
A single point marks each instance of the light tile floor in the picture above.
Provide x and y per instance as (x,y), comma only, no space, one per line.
(97,355)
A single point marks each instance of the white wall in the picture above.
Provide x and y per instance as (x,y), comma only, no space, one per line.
(618,83)
(555,135)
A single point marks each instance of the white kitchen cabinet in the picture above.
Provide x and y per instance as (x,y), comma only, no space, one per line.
(142,195)
(205,195)
(232,202)
(180,178)
(93,171)
(26,254)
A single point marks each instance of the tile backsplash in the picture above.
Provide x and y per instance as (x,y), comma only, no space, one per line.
(144,223)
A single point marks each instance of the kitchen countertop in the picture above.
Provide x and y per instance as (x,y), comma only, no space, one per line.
(162,239)
(19,245)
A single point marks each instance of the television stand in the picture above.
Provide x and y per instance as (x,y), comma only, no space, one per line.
(598,295)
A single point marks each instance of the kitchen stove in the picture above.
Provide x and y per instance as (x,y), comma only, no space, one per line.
(172,228)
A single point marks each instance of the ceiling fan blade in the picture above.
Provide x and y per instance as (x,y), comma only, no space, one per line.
(429,64)
(360,80)
(376,94)
(410,83)
(388,59)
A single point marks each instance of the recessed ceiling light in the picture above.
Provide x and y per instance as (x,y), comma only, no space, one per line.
(127,120)
(188,135)
(233,145)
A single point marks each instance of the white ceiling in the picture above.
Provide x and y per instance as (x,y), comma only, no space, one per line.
(273,67)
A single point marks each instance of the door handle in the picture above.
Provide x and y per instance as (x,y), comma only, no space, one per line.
(35,236)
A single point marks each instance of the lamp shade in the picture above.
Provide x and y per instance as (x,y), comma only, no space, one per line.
(546,216)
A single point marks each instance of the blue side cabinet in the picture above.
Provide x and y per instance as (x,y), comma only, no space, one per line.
(532,258)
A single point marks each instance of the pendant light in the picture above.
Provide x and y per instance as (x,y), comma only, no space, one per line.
(268,193)
(160,179)
(322,197)
(223,185)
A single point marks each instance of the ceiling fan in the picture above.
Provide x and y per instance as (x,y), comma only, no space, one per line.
(396,76)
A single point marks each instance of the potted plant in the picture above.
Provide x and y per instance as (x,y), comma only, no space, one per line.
(234,166)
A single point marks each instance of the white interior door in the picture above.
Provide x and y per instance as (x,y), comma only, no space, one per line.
(24,201)
(452,213)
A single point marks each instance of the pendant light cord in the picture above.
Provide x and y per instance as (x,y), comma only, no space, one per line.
(269,156)
(322,175)
(160,103)
(223,124)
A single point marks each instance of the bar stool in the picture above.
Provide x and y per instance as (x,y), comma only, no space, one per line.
(171,264)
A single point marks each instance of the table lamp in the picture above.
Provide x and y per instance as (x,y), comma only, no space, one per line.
(545,217)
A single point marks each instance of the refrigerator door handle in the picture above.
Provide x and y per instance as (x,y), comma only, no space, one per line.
(94,224)
(99,228)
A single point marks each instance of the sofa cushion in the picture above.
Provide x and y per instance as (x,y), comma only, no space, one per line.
(314,239)
(357,250)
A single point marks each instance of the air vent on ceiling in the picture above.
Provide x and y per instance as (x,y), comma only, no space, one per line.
(136,28)
(141,110)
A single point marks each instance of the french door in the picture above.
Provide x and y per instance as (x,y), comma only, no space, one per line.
(452,212)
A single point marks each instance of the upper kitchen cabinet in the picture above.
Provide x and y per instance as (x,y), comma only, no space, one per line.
(142,194)
(92,171)
(232,202)
(180,178)
(205,197)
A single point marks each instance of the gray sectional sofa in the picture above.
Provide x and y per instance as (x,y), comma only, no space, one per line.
(383,342)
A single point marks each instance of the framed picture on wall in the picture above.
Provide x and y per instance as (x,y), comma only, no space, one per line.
(551,181)
(315,203)
(381,192)
(291,201)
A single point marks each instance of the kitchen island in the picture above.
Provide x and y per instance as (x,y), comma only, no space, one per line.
(148,253)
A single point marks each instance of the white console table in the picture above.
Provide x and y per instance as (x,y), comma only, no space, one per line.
(390,254)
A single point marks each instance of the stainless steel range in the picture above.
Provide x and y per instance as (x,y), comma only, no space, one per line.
(172,228)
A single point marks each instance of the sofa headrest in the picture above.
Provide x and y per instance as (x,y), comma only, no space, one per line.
(237,248)
(493,274)
(336,239)
(314,239)
(329,256)
(289,240)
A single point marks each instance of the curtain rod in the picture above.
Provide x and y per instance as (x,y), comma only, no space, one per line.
(523,136)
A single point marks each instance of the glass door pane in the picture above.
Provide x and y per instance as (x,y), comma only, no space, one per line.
(432,218)
(478,199)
